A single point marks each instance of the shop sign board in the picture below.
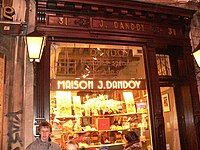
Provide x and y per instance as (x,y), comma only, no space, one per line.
(104,24)
(99,24)
(85,84)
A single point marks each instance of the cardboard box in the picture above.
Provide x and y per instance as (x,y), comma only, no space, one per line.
(103,124)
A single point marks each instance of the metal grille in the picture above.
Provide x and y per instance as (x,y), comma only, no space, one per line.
(163,64)
(66,65)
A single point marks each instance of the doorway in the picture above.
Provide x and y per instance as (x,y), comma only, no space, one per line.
(170,118)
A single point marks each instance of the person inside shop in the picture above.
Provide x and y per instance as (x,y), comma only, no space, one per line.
(132,141)
(44,141)
(85,138)
(71,145)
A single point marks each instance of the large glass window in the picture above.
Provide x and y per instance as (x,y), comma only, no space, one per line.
(97,92)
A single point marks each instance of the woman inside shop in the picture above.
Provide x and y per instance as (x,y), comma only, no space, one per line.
(132,141)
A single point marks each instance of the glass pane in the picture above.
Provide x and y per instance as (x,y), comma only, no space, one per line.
(170,118)
(163,65)
(98,92)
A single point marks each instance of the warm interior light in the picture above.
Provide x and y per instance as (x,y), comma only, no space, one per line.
(35,43)
(196,55)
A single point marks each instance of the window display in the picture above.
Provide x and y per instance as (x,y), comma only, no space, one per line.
(97,92)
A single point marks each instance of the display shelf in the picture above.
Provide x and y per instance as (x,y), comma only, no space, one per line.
(80,132)
(111,115)
(97,146)
(100,129)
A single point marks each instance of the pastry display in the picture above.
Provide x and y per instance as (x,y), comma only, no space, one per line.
(96,119)
(77,106)
(130,103)
(64,103)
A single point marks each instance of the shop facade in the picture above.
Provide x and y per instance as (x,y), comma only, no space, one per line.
(136,54)
(107,67)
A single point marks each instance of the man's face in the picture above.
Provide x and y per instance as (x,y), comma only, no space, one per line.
(45,133)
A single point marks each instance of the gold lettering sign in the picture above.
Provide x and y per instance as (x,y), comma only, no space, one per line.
(118,25)
(172,31)
(115,25)
(62,21)
(128,26)
(97,84)
(110,52)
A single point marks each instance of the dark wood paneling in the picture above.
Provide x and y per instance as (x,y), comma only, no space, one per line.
(42,87)
(155,103)
(193,111)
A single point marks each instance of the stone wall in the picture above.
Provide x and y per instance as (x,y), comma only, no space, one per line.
(13,92)
(195,40)
(2,67)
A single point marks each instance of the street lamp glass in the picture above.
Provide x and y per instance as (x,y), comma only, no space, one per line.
(196,55)
(35,45)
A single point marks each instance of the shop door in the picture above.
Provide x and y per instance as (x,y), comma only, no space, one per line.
(170,118)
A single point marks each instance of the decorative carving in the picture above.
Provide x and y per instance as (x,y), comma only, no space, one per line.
(83,22)
(41,16)
(8,12)
(114,12)
(156,30)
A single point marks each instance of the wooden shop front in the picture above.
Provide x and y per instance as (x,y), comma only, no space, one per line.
(110,66)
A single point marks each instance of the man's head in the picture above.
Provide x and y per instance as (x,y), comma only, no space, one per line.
(71,145)
(45,130)
(104,148)
(130,136)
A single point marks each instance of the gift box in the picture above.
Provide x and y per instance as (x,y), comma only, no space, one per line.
(103,124)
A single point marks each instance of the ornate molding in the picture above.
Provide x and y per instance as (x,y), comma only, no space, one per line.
(82,22)
(129,10)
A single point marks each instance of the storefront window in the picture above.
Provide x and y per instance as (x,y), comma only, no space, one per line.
(97,92)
